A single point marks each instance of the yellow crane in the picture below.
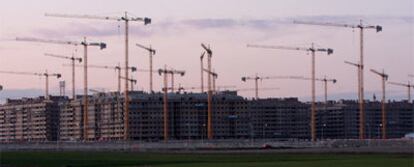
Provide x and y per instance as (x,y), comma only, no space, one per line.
(165,73)
(313,50)
(181,88)
(361,28)
(73,60)
(45,74)
(256,79)
(325,83)
(131,80)
(209,93)
(384,78)
(202,71)
(408,85)
(85,45)
(117,68)
(125,19)
(151,52)
(215,76)
(172,72)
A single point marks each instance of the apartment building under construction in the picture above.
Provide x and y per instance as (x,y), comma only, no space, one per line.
(30,119)
(60,118)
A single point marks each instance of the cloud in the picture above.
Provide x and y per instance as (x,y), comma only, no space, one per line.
(168,27)
(210,23)
(75,29)
(354,19)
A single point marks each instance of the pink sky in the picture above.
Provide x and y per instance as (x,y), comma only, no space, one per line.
(179,28)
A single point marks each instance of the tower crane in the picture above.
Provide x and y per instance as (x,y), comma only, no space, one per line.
(359,78)
(325,83)
(408,85)
(151,52)
(256,84)
(215,76)
(172,72)
(73,59)
(131,80)
(165,73)
(202,71)
(85,45)
(46,75)
(146,70)
(384,78)
(361,28)
(256,79)
(126,19)
(209,93)
(311,49)
(117,68)
(181,88)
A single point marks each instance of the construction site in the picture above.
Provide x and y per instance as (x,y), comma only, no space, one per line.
(180,84)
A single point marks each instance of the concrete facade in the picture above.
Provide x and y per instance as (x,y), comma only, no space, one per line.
(340,119)
(30,119)
(234,117)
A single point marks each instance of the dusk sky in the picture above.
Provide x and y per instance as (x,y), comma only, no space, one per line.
(179,27)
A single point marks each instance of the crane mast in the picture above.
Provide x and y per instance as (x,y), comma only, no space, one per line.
(325,82)
(209,94)
(202,71)
(256,84)
(73,59)
(131,80)
(384,78)
(151,52)
(408,85)
(165,73)
(215,76)
(172,72)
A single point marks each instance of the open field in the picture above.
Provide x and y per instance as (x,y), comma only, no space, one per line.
(262,159)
